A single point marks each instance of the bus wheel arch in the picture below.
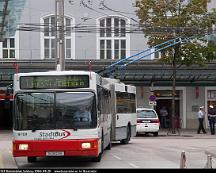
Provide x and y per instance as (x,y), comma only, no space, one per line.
(98,158)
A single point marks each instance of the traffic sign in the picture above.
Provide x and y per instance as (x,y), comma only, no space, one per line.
(152,103)
(152,98)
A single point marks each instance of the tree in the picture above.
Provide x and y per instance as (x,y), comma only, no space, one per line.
(163,20)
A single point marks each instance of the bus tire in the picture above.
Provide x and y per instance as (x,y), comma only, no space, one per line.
(32,159)
(98,158)
(109,146)
(127,139)
(110,143)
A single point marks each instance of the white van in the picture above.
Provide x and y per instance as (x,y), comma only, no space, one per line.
(147,121)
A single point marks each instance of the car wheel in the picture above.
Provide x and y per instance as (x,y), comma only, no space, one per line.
(155,133)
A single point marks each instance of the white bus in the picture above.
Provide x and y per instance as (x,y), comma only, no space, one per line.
(45,115)
(123,104)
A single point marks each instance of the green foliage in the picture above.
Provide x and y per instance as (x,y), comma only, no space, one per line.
(163,20)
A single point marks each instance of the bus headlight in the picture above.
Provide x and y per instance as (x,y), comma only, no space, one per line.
(23,146)
(86,145)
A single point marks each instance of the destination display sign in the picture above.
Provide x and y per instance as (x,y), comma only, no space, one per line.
(54,82)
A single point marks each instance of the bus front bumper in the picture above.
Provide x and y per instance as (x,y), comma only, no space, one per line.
(42,148)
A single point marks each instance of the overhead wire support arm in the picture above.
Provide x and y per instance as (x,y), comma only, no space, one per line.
(173,42)
(139,53)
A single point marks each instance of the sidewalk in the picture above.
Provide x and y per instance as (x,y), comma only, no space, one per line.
(186,133)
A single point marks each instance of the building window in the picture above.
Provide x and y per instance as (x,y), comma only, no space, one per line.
(211,96)
(49,37)
(112,38)
(9,48)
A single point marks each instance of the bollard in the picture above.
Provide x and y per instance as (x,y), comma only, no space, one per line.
(183,160)
(209,162)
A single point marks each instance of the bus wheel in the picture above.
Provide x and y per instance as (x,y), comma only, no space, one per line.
(110,143)
(98,158)
(126,141)
(32,159)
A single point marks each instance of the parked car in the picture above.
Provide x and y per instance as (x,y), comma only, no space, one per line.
(147,121)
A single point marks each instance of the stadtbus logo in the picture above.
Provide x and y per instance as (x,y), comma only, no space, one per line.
(58,134)
(67,133)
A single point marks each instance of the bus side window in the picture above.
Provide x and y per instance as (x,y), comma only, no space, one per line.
(99,93)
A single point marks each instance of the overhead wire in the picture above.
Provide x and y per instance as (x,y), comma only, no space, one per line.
(105,7)
(130,28)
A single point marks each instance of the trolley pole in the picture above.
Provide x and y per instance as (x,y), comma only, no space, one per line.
(60,37)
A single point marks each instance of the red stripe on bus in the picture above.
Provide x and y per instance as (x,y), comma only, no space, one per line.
(69,147)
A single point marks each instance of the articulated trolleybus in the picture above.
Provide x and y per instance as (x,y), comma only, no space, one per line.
(61,113)
(123,109)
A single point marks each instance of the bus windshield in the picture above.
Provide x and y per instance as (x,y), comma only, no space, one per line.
(45,111)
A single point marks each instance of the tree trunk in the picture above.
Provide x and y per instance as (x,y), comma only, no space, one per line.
(173,115)
(173,92)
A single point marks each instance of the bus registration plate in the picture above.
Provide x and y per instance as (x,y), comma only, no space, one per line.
(55,153)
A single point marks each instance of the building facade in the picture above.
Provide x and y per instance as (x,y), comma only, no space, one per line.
(101,31)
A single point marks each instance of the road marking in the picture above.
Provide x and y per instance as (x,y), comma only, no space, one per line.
(133,165)
(1,162)
(117,157)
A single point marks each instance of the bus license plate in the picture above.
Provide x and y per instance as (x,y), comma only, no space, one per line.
(55,153)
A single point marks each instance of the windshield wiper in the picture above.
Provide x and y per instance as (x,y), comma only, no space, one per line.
(33,123)
(74,128)
(34,129)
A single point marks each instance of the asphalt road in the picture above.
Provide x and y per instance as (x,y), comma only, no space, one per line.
(142,152)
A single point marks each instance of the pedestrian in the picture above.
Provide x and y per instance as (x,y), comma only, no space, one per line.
(211,119)
(163,117)
(201,117)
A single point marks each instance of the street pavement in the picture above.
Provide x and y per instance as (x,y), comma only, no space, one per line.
(143,151)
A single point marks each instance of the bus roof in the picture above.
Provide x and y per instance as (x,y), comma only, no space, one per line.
(76,72)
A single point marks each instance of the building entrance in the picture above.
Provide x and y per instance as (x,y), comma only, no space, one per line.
(5,114)
(6,103)
(167,102)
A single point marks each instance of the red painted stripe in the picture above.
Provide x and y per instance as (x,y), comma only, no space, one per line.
(3,97)
(69,147)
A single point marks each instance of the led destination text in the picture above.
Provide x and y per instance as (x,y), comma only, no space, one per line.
(54,82)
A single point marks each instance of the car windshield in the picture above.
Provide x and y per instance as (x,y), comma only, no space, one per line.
(43,111)
(146,114)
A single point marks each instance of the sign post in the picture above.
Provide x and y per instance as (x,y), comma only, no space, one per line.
(152,100)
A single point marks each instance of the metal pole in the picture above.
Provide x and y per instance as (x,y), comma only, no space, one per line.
(60,38)
(183,160)
(56,38)
(209,161)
